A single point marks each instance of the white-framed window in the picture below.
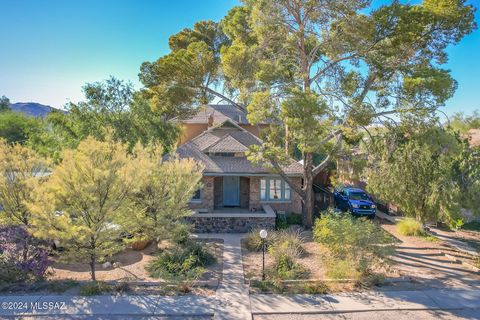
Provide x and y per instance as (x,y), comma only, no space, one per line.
(274,189)
(197,196)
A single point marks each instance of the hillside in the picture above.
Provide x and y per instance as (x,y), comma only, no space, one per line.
(32,109)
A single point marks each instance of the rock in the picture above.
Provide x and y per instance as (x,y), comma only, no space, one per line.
(107,265)
(117,264)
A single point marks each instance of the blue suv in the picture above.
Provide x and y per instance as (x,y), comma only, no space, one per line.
(356,201)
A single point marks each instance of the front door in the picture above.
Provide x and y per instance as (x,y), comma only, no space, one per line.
(231,191)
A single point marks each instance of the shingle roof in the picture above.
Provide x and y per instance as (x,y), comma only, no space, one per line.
(220,113)
(227,144)
(228,139)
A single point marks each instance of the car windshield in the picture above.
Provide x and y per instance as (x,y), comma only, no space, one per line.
(358,196)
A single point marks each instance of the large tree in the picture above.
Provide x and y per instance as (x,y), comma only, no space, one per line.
(426,170)
(79,205)
(111,107)
(21,172)
(322,69)
(160,203)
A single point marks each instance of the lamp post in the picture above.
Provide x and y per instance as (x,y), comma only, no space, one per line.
(263,236)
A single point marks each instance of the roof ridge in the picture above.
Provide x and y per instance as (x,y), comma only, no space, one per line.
(223,139)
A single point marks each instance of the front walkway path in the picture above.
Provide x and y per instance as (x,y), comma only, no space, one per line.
(233,294)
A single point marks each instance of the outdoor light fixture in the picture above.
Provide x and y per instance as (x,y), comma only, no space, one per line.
(263,236)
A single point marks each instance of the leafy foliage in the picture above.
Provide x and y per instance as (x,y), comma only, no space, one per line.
(160,202)
(427,171)
(355,245)
(15,127)
(79,203)
(4,104)
(20,251)
(410,227)
(181,261)
(21,172)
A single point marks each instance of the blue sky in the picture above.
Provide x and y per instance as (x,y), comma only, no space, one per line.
(50,48)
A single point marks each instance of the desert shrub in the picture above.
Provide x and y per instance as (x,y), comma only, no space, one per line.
(288,238)
(60,286)
(10,273)
(355,245)
(253,242)
(94,288)
(410,227)
(181,261)
(18,248)
(285,249)
(342,269)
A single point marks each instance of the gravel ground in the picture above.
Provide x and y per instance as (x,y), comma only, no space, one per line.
(132,266)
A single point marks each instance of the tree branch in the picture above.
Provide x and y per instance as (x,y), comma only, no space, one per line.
(327,160)
(282,174)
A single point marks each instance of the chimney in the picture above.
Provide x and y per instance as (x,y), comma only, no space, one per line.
(210,120)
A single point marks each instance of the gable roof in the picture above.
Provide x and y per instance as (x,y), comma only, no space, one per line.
(220,113)
(228,139)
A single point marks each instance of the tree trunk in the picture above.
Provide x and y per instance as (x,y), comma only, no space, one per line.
(308,187)
(92,267)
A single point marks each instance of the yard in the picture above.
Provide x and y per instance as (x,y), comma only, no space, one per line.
(417,262)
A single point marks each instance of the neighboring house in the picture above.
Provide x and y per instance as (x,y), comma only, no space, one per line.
(236,195)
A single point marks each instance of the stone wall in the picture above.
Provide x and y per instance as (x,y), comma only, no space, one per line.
(208,223)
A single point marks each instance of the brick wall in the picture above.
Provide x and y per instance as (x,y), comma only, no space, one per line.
(295,205)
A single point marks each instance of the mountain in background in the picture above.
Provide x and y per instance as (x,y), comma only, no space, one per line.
(32,109)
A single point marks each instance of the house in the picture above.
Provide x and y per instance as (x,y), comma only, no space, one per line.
(236,195)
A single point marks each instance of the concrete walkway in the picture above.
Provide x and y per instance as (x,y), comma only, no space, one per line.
(233,301)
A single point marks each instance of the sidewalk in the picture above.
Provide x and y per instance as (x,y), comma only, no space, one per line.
(51,305)
(365,301)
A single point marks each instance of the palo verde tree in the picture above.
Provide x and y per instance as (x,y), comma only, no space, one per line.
(21,171)
(321,69)
(160,202)
(80,203)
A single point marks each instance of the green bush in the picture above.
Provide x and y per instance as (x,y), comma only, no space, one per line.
(355,245)
(10,273)
(410,227)
(95,288)
(294,219)
(181,261)
(342,269)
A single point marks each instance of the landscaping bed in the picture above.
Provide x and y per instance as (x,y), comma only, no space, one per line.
(313,268)
(126,272)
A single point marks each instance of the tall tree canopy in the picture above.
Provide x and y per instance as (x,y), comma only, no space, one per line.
(426,170)
(110,107)
(322,69)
